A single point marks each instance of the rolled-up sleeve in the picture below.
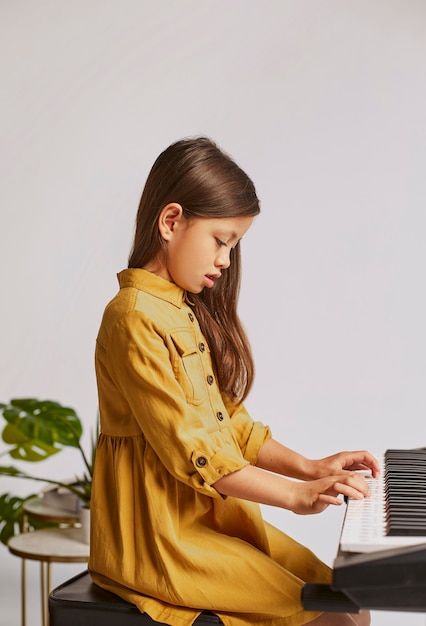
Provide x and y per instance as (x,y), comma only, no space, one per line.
(251,435)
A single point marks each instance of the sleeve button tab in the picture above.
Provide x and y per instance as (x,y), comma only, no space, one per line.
(201,461)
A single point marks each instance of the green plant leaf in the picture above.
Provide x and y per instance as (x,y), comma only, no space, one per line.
(11,511)
(27,450)
(36,430)
(10,516)
(12,435)
(39,428)
(10,471)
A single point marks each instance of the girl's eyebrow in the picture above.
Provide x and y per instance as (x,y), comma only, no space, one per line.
(227,235)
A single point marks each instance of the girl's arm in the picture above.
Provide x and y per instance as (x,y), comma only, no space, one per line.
(275,457)
(323,480)
(255,484)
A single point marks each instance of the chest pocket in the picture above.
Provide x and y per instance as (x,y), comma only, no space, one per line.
(188,367)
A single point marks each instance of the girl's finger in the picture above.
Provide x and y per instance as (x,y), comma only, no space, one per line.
(328,499)
(348,490)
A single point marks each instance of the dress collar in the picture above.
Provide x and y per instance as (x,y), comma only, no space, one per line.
(152,284)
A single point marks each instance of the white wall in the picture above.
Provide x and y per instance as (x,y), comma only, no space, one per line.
(322,102)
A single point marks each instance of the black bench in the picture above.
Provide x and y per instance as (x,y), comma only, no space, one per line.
(79,602)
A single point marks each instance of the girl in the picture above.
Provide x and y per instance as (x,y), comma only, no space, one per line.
(180,466)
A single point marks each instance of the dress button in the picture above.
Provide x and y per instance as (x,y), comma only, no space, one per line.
(191,317)
(210,379)
(201,461)
(201,347)
(219,416)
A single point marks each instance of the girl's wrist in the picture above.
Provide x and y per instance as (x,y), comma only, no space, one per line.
(312,470)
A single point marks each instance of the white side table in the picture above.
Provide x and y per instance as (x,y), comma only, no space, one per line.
(49,545)
(42,508)
(38,509)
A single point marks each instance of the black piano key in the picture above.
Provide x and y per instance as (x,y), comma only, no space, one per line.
(407,525)
(408,506)
(405,492)
(408,511)
(406,528)
(406,531)
(398,496)
(411,511)
(405,452)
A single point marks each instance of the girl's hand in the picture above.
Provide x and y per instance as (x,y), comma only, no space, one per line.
(316,495)
(346,462)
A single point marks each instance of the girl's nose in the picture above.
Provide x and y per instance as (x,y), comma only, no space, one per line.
(223,260)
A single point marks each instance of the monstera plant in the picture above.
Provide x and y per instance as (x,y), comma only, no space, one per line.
(36,430)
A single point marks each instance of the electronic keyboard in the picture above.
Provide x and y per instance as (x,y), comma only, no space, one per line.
(394,513)
(381,560)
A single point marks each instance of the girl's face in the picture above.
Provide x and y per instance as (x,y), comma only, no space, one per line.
(198,249)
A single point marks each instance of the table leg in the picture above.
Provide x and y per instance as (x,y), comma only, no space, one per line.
(23,592)
(24,528)
(43,580)
(49,589)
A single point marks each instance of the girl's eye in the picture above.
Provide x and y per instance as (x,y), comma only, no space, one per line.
(220,243)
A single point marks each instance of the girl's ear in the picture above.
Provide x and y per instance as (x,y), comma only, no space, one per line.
(170,215)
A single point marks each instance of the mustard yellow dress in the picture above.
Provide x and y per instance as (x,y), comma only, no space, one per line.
(162,537)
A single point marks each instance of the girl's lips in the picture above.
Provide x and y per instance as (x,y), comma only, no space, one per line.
(209,279)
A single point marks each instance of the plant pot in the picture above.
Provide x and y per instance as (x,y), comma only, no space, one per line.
(85,524)
(61,498)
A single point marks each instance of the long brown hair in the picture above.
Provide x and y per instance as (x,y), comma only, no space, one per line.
(206,182)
